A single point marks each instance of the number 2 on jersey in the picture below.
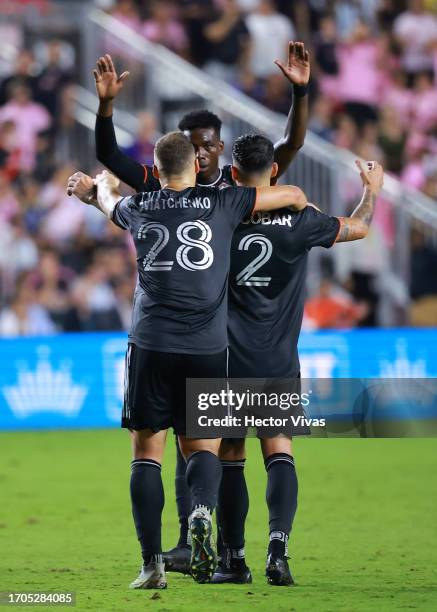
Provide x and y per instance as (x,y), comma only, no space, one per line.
(150,262)
(246,276)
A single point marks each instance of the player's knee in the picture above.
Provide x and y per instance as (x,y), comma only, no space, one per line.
(233,449)
(272,446)
(189,446)
(147,444)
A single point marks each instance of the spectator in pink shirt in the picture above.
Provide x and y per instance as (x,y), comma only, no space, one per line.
(126,11)
(30,118)
(399,97)
(424,103)
(413,174)
(416,33)
(163,28)
(63,219)
(360,78)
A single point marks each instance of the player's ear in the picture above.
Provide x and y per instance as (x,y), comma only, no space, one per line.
(221,147)
(275,169)
(234,173)
(196,165)
(155,172)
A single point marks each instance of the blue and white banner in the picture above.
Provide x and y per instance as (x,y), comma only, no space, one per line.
(76,380)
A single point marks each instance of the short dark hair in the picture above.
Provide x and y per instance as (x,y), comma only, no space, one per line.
(253,153)
(174,153)
(200,119)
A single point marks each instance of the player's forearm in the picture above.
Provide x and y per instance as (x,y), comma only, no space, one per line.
(107,198)
(109,154)
(357,225)
(271,198)
(365,209)
(106,108)
(296,198)
(106,141)
(295,130)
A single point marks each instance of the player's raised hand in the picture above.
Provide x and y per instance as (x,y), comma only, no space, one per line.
(108,83)
(82,186)
(297,68)
(372,175)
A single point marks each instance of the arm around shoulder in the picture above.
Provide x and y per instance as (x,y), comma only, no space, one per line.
(280,196)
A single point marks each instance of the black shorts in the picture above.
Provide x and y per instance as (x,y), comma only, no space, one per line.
(154,387)
(278,387)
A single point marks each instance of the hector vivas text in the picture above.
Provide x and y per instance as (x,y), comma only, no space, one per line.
(247,401)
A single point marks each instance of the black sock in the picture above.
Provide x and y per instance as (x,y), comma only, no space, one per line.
(232,509)
(182,496)
(147,496)
(281,497)
(203,476)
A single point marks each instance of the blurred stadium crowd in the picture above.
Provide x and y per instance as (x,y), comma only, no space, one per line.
(373,91)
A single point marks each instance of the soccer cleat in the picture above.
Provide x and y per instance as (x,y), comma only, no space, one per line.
(232,575)
(203,556)
(178,559)
(277,571)
(151,576)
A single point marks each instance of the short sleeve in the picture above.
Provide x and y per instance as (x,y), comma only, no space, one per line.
(241,201)
(319,229)
(122,213)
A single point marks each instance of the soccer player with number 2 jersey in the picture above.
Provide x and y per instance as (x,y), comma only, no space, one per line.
(266,300)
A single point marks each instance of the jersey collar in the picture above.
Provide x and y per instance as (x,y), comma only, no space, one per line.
(217,180)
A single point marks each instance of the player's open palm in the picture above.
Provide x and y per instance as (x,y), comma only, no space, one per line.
(297,68)
(108,83)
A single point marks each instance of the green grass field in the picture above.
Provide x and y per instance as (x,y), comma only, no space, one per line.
(364,537)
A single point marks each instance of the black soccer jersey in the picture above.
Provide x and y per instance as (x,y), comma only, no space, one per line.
(223,180)
(182,241)
(267,282)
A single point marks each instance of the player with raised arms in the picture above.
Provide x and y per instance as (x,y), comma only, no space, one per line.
(203,128)
(182,235)
(266,301)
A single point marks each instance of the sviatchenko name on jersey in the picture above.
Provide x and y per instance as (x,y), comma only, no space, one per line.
(153,203)
(252,421)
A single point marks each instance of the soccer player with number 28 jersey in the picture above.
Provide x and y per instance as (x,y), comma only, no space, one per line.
(182,236)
